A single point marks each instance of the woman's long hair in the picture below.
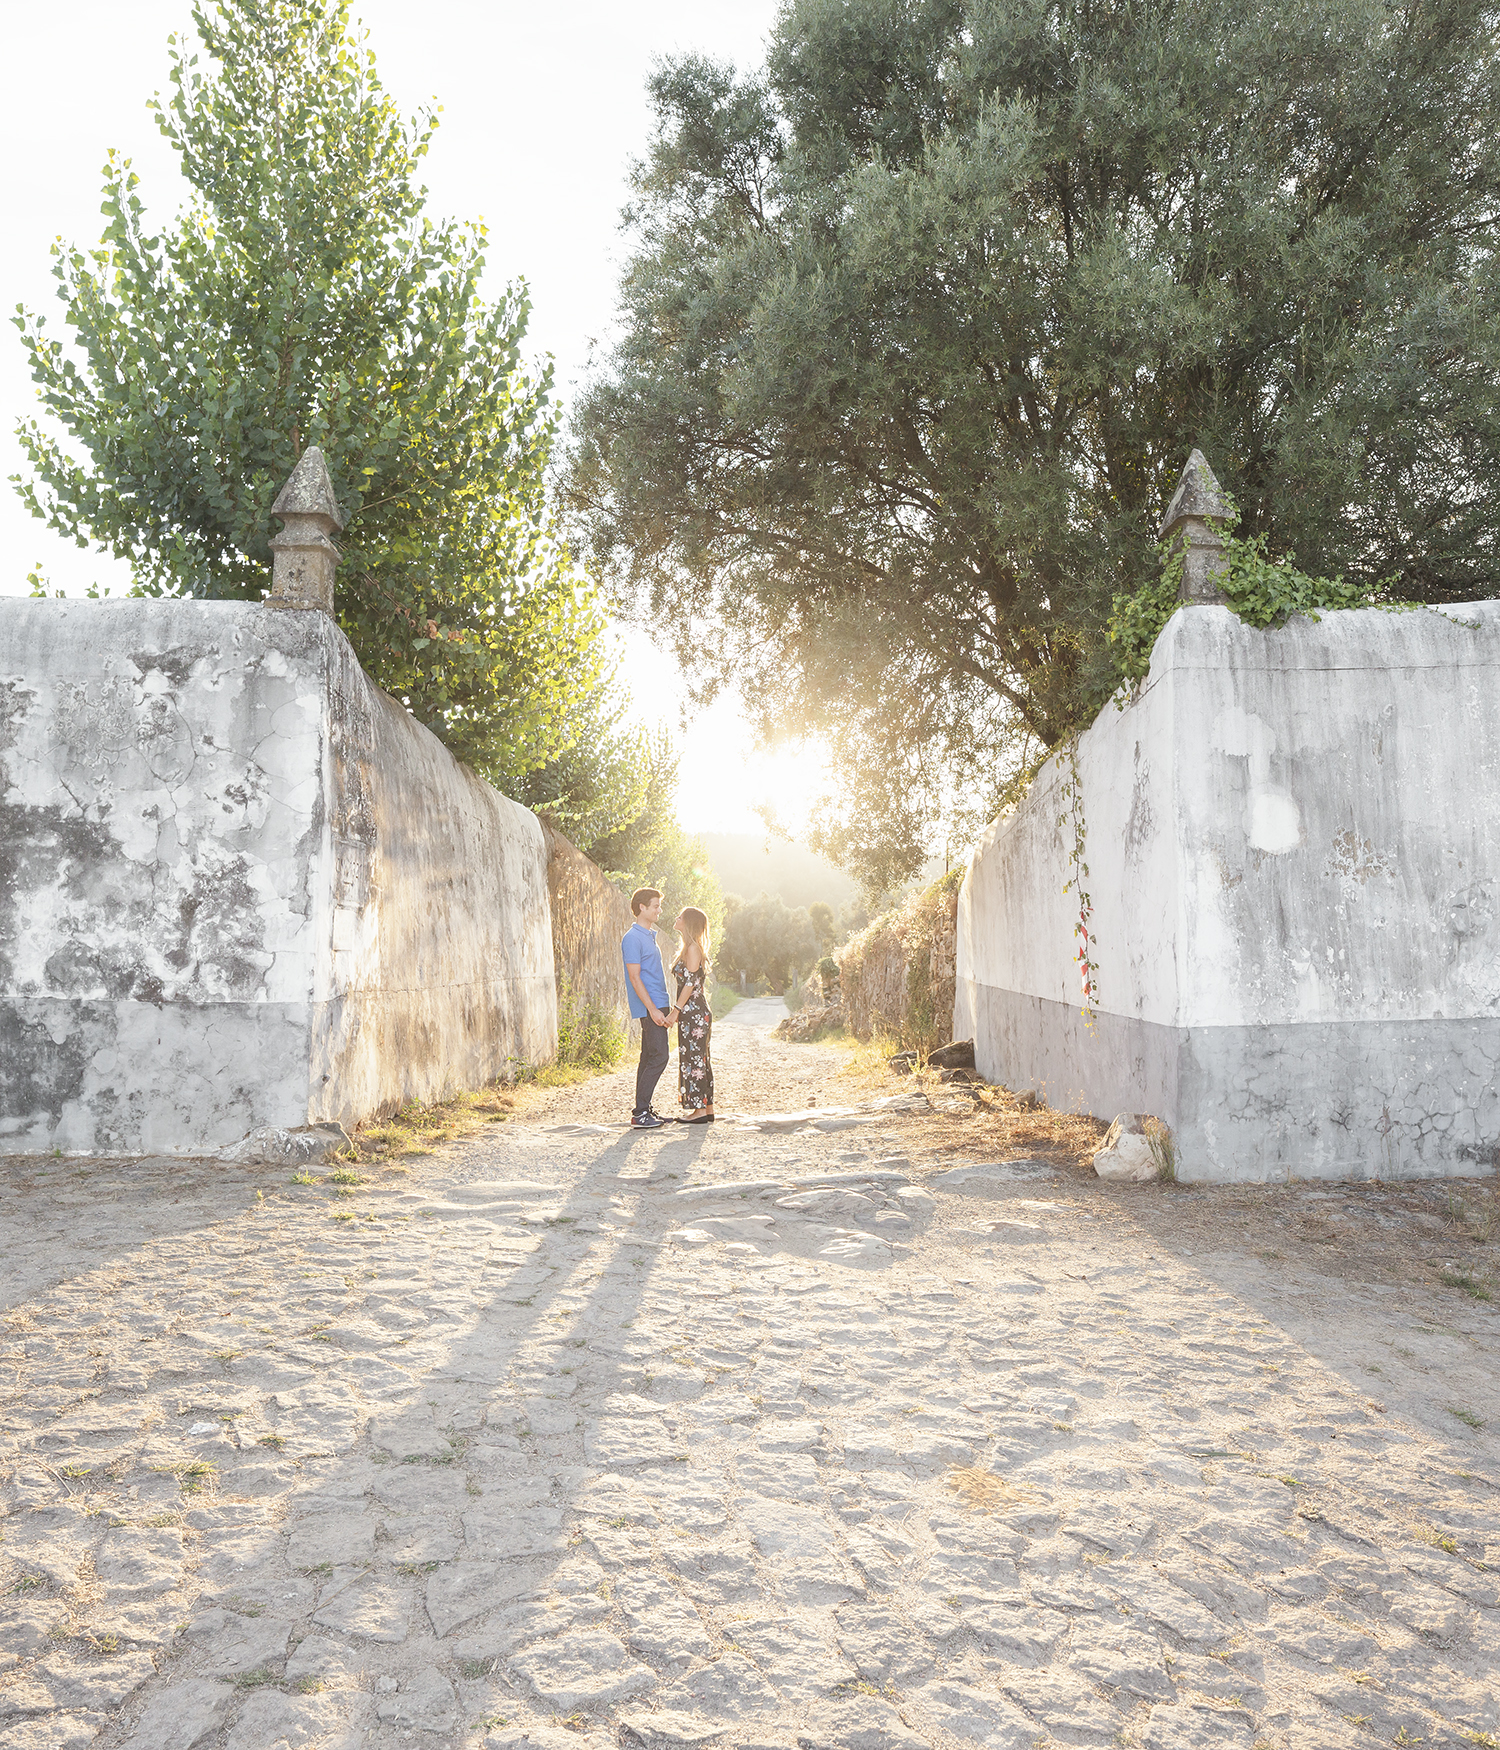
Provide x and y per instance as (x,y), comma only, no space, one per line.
(692,926)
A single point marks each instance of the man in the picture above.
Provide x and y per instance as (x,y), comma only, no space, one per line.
(648,1002)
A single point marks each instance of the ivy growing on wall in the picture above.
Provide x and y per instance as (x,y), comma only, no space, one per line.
(1263,591)
(1072,821)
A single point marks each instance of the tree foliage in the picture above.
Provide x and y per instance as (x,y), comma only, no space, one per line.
(613,794)
(766,938)
(303,296)
(922,319)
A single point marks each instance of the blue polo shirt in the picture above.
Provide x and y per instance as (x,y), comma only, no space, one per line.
(639,949)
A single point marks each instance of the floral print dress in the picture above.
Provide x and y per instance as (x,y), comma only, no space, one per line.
(695,1073)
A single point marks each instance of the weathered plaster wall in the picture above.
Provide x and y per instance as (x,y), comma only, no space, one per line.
(440,974)
(1293,840)
(239,886)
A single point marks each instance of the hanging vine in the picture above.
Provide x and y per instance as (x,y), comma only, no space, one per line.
(1072,819)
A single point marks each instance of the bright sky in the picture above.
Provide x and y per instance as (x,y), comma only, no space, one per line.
(543,109)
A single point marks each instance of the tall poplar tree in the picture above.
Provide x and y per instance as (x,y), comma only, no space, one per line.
(303,296)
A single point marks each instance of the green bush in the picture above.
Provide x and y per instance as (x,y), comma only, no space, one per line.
(1137,616)
(1267,592)
(587,1037)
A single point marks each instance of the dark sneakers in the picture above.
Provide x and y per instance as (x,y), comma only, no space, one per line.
(647,1120)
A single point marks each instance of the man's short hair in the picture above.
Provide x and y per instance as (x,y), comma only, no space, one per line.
(642,896)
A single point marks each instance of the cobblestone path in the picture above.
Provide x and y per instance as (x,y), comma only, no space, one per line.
(711,1438)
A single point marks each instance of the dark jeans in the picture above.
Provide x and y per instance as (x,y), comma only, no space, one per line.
(653,1062)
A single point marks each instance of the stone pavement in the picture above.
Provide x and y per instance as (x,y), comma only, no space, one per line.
(711,1437)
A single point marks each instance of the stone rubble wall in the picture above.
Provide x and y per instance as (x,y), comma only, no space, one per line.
(897,976)
(240,886)
(590,915)
(1293,850)
(942,962)
(872,979)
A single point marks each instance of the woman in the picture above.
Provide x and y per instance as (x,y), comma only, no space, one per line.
(693,1016)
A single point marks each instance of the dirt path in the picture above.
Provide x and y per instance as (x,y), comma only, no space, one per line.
(752,1073)
(736,1437)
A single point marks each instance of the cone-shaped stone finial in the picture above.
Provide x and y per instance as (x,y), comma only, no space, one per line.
(309,491)
(1195,516)
(302,556)
(1198,494)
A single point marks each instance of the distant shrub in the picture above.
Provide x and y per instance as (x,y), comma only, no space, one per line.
(767,940)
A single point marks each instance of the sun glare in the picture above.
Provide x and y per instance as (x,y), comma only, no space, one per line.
(724,782)
(787,785)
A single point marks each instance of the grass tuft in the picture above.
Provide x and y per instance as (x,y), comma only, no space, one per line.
(256,1679)
(1472,1285)
(1163,1148)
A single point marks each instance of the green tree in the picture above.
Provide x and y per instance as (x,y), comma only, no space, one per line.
(613,794)
(922,320)
(820,916)
(302,297)
(765,938)
(603,783)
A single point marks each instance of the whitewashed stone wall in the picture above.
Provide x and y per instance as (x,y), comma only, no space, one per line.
(1293,840)
(241,886)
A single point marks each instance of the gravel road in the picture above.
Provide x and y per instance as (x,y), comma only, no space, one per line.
(755,1434)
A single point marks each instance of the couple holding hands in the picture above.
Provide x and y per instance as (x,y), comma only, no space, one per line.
(690,1012)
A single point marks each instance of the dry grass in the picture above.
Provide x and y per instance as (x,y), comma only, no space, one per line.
(970,1118)
(418,1130)
(864,1063)
(1003,1126)
(1475,1212)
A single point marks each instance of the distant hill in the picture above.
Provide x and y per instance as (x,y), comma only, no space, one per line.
(749,863)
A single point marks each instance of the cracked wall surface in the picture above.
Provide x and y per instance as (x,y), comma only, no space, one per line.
(240,886)
(1293,850)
